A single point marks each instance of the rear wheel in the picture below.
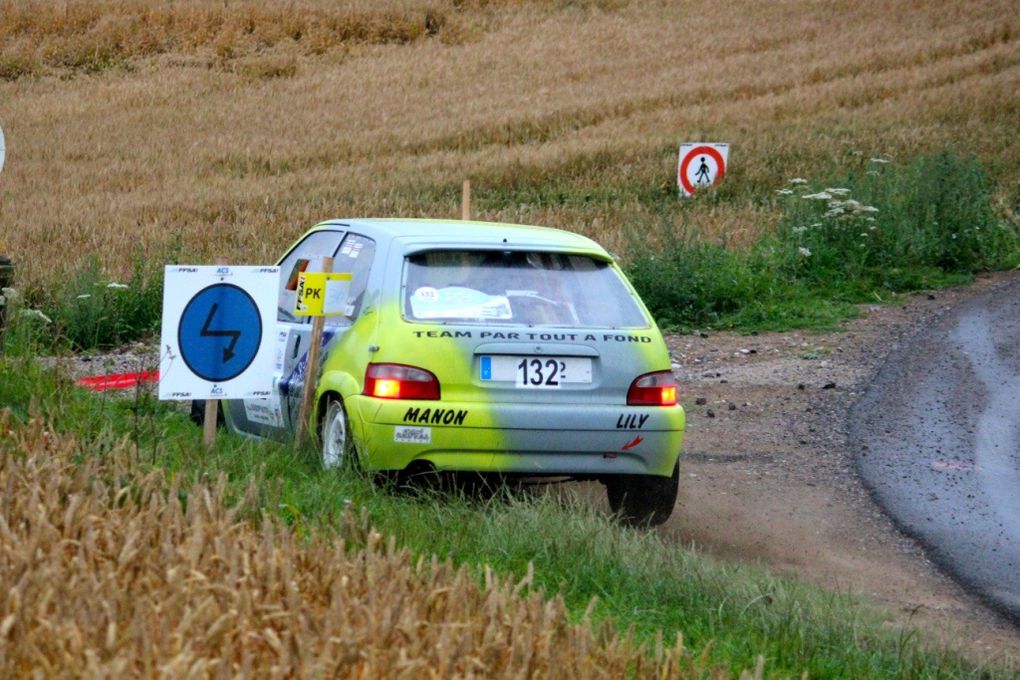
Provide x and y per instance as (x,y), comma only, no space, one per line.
(335,433)
(643,500)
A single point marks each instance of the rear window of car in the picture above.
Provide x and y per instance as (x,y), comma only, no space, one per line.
(517,288)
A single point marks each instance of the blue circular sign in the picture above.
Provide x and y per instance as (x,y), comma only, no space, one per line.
(220,332)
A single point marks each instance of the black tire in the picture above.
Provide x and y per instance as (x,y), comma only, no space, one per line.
(643,500)
(336,446)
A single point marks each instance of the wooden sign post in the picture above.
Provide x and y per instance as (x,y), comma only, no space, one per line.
(212,414)
(465,201)
(312,373)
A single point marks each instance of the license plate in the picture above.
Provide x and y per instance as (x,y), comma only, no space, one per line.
(536,372)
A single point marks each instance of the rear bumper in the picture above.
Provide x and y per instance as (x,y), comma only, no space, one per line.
(519,438)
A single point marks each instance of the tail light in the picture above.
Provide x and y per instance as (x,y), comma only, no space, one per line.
(396,381)
(653,389)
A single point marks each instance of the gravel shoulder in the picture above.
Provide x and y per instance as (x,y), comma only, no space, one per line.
(768,472)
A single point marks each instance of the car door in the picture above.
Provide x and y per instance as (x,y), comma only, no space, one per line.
(271,417)
(355,256)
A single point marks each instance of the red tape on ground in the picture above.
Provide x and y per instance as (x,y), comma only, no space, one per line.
(118,381)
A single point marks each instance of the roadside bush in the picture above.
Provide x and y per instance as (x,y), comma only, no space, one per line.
(881,229)
(92,309)
(688,282)
(931,216)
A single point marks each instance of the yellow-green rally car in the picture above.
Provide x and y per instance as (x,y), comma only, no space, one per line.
(470,346)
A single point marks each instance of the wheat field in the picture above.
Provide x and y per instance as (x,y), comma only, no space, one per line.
(106,571)
(206,129)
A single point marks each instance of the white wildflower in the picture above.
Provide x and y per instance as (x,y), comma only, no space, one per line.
(852,204)
(838,191)
(84,296)
(117,286)
(36,314)
(820,196)
(816,224)
(799,230)
(798,180)
(784,192)
(834,212)
(868,208)
(805,252)
(869,219)
(880,160)
(874,173)
(9,293)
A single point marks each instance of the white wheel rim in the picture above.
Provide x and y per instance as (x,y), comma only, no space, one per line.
(334,437)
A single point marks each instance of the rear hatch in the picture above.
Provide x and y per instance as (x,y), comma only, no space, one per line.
(527,326)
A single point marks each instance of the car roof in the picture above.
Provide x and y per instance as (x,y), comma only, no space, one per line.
(417,233)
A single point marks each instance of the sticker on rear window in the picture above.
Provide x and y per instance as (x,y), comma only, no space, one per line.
(456,302)
(426,294)
(403,434)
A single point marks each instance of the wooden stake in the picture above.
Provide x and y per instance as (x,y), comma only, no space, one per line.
(312,372)
(465,201)
(212,412)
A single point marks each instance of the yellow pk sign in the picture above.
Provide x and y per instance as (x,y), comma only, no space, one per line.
(322,294)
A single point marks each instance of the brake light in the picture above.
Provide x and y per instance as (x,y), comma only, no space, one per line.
(653,389)
(397,381)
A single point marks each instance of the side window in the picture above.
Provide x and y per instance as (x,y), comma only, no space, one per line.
(306,256)
(355,257)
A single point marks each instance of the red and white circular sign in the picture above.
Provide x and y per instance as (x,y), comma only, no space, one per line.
(701,166)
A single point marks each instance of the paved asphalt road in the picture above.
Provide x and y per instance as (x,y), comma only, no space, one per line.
(938,442)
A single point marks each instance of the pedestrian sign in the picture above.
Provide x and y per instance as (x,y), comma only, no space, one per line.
(214,322)
(322,294)
(701,165)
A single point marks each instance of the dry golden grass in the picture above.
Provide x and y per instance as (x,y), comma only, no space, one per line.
(88,35)
(104,573)
(564,114)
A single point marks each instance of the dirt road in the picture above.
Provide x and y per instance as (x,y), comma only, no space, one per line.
(768,475)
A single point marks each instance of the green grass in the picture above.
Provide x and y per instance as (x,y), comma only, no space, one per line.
(640,580)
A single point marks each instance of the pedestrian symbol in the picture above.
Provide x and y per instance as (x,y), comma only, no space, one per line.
(703,176)
(701,166)
(220,332)
(214,320)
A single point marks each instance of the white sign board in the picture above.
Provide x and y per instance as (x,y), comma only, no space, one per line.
(217,340)
(701,165)
(3,150)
